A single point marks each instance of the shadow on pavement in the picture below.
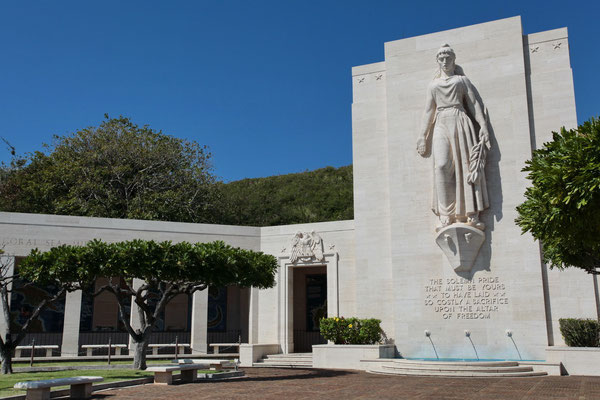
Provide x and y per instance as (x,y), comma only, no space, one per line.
(300,374)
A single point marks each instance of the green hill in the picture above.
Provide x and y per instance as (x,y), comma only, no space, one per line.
(313,196)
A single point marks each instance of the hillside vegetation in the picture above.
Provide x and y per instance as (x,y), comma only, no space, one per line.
(313,196)
(119,169)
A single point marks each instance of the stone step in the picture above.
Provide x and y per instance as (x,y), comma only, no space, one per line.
(272,362)
(458,363)
(290,355)
(456,368)
(282,365)
(287,360)
(464,374)
(290,360)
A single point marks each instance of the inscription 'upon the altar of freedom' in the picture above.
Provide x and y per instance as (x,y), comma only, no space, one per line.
(459,298)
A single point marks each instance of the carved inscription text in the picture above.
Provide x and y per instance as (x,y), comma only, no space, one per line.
(459,298)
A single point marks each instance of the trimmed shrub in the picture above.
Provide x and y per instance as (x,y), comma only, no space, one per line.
(580,332)
(342,330)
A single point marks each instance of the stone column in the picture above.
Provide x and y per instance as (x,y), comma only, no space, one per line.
(199,322)
(134,318)
(244,313)
(253,316)
(8,268)
(70,336)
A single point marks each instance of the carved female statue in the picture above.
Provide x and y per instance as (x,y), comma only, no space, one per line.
(459,188)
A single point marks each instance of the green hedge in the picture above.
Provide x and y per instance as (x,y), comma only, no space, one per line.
(351,330)
(580,332)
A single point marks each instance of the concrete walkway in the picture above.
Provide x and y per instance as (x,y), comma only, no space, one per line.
(271,383)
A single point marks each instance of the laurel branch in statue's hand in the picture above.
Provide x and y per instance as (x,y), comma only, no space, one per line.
(421,145)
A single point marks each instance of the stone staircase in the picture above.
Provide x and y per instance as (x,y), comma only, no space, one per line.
(479,369)
(291,360)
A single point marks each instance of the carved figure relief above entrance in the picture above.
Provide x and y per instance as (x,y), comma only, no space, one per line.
(306,247)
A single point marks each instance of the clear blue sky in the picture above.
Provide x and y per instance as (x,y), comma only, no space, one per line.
(265,84)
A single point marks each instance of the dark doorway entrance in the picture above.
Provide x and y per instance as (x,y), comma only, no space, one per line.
(310,305)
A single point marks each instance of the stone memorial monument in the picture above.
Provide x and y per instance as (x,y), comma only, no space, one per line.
(481,121)
(453,108)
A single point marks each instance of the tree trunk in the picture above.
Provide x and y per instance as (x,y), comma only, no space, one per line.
(139,355)
(6,355)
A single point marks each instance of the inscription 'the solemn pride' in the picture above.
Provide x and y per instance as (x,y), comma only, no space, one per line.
(459,298)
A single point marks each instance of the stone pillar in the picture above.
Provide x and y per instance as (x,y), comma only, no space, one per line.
(199,322)
(8,268)
(244,313)
(70,336)
(253,316)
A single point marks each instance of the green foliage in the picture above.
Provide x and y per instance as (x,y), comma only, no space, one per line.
(164,269)
(351,330)
(115,170)
(72,267)
(562,207)
(313,196)
(122,170)
(213,264)
(580,332)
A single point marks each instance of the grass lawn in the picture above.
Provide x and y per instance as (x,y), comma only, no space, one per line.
(7,381)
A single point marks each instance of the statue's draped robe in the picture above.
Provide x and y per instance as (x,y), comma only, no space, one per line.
(453,137)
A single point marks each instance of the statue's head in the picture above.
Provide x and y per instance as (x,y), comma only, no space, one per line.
(446,59)
(446,49)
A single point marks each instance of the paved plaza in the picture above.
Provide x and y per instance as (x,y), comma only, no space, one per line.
(272,383)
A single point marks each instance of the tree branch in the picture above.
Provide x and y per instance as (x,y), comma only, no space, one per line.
(122,297)
(36,313)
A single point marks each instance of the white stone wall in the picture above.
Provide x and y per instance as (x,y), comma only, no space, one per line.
(19,232)
(570,292)
(491,55)
(550,83)
(275,320)
(372,195)
(526,95)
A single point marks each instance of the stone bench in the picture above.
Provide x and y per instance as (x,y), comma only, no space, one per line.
(216,364)
(181,347)
(164,374)
(48,347)
(216,346)
(81,387)
(89,348)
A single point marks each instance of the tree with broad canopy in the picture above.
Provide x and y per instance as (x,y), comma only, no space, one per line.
(562,207)
(115,170)
(165,270)
(64,268)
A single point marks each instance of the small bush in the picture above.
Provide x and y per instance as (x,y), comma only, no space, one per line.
(580,332)
(351,330)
